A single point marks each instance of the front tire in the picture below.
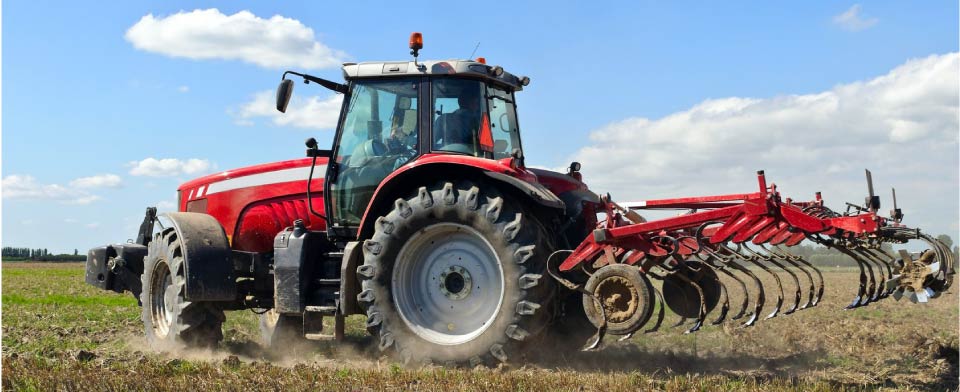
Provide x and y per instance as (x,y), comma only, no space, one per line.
(169,320)
(455,274)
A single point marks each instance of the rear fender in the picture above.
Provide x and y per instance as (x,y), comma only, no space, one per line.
(521,183)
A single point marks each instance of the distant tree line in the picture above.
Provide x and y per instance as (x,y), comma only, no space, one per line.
(10,253)
(815,254)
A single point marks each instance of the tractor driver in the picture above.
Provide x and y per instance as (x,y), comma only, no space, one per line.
(459,129)
(469,117)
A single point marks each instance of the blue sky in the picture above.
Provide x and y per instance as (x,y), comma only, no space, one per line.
(86,103)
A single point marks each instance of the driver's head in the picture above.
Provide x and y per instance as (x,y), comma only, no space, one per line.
(469,98)
(468,103)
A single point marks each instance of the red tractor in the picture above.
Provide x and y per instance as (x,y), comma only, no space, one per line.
(424,217)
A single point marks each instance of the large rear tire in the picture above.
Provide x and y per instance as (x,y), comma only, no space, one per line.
(169,320)
(455,274)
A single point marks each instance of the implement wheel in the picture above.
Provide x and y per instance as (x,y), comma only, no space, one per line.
(455,274)
(626,295)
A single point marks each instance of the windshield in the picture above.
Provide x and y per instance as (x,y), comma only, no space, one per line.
(379,134)
(472,118)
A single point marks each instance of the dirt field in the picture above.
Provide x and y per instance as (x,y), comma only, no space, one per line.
(60,334)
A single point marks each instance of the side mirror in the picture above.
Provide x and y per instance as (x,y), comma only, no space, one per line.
(284,92)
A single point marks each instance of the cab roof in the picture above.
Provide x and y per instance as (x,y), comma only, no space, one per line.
(470,68)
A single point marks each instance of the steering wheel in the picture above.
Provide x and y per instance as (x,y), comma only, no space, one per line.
(405,155)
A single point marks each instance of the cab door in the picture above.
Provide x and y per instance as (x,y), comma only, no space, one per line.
(379,131)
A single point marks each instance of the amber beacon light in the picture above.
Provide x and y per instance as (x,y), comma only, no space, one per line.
(416,43)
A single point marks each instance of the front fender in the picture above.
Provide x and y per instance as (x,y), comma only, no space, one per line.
(206,254)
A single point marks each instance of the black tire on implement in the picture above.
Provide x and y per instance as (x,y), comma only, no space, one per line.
(169,320)
(475,214)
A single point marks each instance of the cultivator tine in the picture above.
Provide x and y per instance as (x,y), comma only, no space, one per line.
(812,287)
(881,266)
(819,276)
(861,299)
(758,305)
(743,304)
(730,260)
(594,342)
(725,308)
(770,258)
(679,322)
(701,313)
(756,261)
(746,296)
(725,305)
(873,292)
(884,258)
(696,325)
(872,286)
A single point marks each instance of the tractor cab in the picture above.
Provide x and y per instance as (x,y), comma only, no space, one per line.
(395,112)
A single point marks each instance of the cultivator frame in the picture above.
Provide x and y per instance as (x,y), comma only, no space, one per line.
(729,234)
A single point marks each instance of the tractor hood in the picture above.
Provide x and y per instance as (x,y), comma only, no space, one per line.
(254,203)
(295,170)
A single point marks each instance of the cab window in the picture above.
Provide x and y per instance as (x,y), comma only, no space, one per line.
(503,122)
(458,108)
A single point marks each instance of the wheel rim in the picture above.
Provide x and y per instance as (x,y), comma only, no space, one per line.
(448,283)
(620,299)
(163,298)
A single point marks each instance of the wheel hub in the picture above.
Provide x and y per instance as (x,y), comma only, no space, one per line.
(456,283)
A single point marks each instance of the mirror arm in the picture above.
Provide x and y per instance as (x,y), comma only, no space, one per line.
(340,88)
(315,153)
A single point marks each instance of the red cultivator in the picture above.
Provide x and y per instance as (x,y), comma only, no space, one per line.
(739,236)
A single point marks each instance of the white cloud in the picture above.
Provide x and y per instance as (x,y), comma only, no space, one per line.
(166,205)
(92,225)
(902,125)
(98,181)
(183,89)
(70,221)
(852,20)
(277,42)
(169,167)
(83,200)
(26,187)
(312,112)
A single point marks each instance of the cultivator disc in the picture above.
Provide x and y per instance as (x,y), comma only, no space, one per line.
(731,253)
